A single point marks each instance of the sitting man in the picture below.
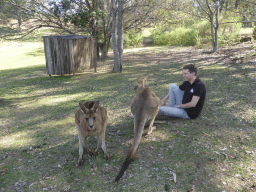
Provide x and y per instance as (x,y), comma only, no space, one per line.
(187,105)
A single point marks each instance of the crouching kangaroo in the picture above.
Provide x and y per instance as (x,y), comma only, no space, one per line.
(144,106)
(91,119)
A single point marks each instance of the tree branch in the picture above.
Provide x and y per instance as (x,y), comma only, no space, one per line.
(202,7)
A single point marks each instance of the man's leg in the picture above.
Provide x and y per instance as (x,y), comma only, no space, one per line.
(173,112)
(175,95)
(175,98)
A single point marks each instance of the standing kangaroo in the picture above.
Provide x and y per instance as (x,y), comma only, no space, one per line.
(144,106)
(91,119)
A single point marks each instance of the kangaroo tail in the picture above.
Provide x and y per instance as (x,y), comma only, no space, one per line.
(127,161)
(135,144)
(123,169)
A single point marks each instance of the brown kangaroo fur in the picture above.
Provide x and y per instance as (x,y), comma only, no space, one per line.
(91,119)
(144,106)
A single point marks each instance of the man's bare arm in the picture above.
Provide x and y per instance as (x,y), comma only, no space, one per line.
(164,100)
(192,103)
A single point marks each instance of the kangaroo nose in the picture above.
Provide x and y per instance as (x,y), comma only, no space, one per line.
(90,126)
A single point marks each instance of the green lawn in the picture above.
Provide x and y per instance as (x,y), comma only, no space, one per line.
(19,55)
(38,138)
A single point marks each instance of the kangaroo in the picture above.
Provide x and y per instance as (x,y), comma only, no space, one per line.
(144,106)
(91,119)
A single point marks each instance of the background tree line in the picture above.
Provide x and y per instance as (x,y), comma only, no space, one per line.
(120,22)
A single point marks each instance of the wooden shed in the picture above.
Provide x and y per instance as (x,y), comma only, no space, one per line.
(69,53)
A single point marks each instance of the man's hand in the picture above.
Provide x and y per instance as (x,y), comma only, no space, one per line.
(164,100)
(193,103)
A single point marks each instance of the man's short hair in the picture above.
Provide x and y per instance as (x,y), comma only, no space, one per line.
(192,68)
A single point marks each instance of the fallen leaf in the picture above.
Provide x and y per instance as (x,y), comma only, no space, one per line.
(3,172)
(174,177)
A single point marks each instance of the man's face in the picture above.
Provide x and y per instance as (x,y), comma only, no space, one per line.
(187,75)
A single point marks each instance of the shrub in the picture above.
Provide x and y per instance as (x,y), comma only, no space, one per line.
(190,37)
(178,36)
(227,33)
(132,39)
(204,32)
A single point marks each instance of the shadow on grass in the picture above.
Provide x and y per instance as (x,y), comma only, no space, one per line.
(36,53)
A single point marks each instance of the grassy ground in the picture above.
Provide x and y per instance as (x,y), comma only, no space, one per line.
(38,138)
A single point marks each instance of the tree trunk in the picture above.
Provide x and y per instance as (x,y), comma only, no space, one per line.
(105,47)
(106,24)
(212,31)
(120,32)
(117,66)
(20,24)
(216,29)
(94,28)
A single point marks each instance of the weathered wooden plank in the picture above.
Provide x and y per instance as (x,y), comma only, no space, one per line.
(48,56)
(68,54)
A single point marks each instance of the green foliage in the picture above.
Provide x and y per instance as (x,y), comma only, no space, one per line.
(132,39)
(179,36)
(204,32)
(79,16)
(229,33)
(9,12)
(84,18)
(197,32)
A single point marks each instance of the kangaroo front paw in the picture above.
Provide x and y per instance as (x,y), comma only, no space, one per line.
(96,153)
(135,158)
(151,130)
(93,153)
(79,162)
(106,157)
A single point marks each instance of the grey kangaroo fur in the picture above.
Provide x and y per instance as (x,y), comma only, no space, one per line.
(144,106)
(91,119)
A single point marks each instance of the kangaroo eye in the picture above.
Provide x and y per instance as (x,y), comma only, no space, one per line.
(86,119)
(94,118)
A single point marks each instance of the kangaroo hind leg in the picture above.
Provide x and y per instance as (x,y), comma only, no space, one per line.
(151,128)
(82,143)
(103,144)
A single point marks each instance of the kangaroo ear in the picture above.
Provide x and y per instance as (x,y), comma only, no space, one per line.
(95,106)
(84,109)
(141,81)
